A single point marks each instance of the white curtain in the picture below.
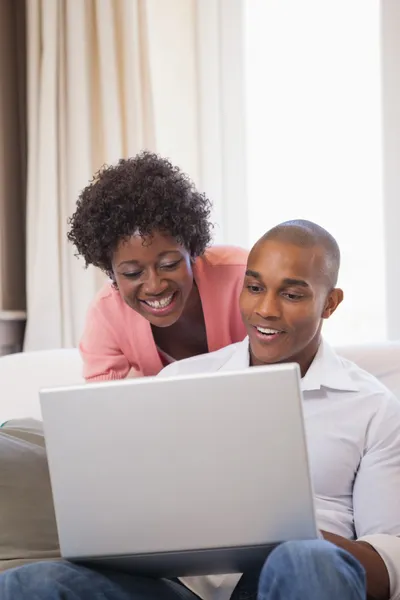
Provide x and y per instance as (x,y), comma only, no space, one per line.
(95,75)
(106,79)
(221,93)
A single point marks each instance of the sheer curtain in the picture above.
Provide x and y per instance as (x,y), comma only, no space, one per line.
(221,99)
(106,78)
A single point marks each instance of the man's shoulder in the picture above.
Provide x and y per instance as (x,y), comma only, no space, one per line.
(204,363)
(341,378)
(369,386)
(361,376)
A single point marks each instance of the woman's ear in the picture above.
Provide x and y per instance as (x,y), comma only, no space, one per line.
(110,275)
(333,300)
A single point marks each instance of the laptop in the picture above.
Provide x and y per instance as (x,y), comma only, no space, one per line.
(187,475)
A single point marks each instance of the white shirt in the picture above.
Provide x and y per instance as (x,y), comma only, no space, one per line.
(353,434)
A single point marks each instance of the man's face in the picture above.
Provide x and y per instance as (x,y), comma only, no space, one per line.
(285,296)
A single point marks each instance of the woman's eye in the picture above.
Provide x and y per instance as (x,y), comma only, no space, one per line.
(170,266)
(133,275)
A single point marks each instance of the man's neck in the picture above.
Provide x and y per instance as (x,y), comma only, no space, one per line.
(304,358)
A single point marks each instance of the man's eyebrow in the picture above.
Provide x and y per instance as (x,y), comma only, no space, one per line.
(286,281)
(255,274)
(300,282)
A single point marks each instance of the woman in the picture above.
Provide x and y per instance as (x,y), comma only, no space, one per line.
(145,225)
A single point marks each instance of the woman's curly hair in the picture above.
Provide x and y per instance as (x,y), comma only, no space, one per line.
(138,195)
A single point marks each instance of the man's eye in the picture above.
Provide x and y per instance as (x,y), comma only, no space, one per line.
(293,296)
(254,289)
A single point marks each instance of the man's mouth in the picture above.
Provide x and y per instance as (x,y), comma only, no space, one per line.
(268,333)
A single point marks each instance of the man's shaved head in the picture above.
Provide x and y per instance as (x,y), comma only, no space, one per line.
(307,234)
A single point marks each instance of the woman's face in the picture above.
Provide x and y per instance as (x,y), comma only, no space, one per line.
(154,276)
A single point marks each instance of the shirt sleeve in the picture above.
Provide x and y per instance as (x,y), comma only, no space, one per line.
(376,493)
(170,370)
(102,356)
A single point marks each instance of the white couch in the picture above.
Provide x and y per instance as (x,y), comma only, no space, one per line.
(23,375)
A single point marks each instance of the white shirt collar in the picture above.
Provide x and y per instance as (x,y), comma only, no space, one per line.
(239,359)
(327,369)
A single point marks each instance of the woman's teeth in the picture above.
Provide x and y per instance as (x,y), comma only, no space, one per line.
(267,331)
(162,303)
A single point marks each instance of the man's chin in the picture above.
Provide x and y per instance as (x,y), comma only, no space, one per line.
(262,359)
(263,354)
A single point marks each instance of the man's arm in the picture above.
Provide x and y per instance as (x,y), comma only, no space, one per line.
(378,583)
(376,506)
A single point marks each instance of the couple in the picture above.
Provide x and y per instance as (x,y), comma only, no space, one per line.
(353,431)
(352,421)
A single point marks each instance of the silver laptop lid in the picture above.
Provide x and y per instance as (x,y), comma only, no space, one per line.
(163,465)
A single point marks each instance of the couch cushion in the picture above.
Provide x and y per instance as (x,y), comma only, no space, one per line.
(27,519)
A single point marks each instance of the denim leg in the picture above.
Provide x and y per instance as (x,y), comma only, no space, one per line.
(311,570)
(60,580)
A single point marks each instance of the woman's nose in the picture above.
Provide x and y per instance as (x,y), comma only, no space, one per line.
(154,286)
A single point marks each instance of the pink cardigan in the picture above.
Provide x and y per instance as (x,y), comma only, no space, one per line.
(117,340)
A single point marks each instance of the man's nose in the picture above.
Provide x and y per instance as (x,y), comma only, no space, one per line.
(269,306)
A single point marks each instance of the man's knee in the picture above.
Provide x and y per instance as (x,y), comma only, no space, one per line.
(36,576)
(315,557)
(293,554)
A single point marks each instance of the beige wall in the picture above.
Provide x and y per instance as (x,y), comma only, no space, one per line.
(12,155)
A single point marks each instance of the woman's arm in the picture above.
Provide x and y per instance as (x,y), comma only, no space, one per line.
(103,359)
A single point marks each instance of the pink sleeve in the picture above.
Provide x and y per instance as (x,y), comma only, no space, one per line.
(103,359)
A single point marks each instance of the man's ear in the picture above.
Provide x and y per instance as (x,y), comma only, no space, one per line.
(333,300)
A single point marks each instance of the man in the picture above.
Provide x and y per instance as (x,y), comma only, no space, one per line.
(352,422)
(353,432)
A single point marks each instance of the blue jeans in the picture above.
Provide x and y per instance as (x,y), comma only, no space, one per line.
(311,570)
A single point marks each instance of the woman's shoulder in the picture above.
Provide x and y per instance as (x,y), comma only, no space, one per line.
(109,303)
(225,256)
(111,332)
(106,295)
